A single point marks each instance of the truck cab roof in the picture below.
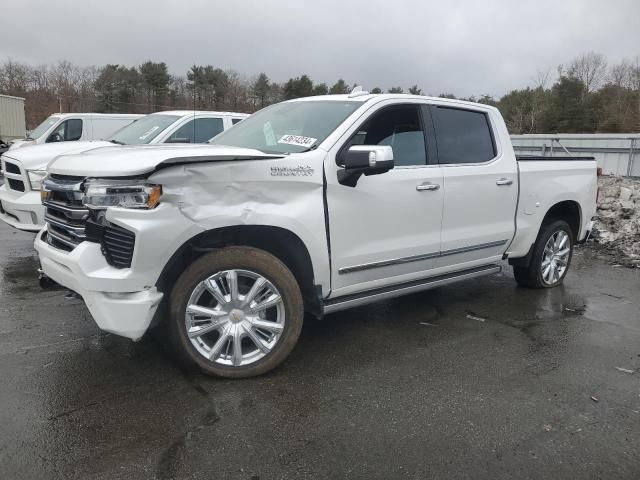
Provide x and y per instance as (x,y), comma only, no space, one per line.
(363,97)
(185,113)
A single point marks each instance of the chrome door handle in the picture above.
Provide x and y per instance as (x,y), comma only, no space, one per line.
(427,186)
(504,181)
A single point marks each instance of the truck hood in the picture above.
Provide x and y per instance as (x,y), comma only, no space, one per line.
(123,161)
(19,143)
(36,157)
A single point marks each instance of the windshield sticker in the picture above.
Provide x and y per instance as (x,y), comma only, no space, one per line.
(297,140)
(269,136)
(149,132)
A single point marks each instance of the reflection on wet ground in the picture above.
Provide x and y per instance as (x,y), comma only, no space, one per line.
(476,380)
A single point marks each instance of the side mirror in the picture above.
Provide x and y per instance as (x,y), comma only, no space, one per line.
(365,160)
(54,138)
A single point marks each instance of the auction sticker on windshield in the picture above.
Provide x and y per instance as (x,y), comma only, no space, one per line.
(297,140)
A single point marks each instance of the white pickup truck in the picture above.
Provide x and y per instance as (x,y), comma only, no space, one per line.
(25,168)
(315,204)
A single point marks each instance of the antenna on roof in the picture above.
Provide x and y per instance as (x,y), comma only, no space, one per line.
(358,91)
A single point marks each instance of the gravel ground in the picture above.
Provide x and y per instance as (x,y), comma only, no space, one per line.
(617,229)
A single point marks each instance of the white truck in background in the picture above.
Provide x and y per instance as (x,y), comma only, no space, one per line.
(74,127)
(24,168)
(315,204)
(12,120)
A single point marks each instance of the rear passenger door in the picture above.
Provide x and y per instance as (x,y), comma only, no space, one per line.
(480,187)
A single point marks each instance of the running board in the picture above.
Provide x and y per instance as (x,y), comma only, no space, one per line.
(357,299)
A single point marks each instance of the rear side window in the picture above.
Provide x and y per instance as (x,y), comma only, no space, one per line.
(199,130)
(462,136)
(207,128)
(235,120)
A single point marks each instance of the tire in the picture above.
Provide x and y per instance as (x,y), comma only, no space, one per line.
(265,336)
(532,276)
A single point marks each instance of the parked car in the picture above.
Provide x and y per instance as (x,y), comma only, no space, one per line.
(315,204)
(20,204)
(74,127)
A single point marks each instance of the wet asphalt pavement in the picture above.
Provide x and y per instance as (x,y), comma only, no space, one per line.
(475,380)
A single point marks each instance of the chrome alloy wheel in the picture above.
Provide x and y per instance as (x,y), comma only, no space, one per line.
(555,257)
(235,317)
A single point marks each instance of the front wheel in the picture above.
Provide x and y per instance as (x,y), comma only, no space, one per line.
(550,258)
(236,312)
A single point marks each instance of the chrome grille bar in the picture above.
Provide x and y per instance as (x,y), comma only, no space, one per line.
(64,215)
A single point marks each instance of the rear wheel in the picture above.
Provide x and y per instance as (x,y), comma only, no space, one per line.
(236,312)
(550,258)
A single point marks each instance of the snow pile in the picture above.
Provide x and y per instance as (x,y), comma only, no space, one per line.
(617,227)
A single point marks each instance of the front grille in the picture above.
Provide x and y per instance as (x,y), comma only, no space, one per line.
(64,213)
(12,168)
(15,177)
(17,185)
(66,224)
(69,223)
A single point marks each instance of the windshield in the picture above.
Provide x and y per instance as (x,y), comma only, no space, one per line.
(289,127)
(43,127)
(144,130)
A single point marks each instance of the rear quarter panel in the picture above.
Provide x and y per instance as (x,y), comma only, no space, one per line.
(543,184)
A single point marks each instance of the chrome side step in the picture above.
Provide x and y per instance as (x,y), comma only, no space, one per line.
(357,299)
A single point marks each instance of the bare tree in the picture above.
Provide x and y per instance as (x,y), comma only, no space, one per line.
(542,78)
(14,77)
(591,69)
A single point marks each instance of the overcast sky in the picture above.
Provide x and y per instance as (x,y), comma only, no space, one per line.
(462,47)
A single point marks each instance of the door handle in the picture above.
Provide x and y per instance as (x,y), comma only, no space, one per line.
(504,181)
(427,186)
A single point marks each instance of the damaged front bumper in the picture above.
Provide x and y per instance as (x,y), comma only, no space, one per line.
(85,271)
(122,301)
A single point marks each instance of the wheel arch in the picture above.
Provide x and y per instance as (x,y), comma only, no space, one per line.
(280,242)
(567,210)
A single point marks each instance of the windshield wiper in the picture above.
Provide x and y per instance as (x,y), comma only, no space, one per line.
(117,142)
(312,147)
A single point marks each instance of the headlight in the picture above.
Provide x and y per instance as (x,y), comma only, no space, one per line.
(35,178)
(120,193)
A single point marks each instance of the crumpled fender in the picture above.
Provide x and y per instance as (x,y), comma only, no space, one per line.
(284,192)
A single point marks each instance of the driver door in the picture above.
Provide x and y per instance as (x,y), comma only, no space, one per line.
(386,229)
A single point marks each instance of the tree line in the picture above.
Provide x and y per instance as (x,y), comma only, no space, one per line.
(584,96)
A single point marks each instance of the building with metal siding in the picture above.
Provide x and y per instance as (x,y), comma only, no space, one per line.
(616,153)
(12,122)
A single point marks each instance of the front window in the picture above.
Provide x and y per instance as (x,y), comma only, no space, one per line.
(43,127)
(144,130)
(289,127)
(68,131)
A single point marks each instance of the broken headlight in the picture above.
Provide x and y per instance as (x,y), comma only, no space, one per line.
(104,193)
